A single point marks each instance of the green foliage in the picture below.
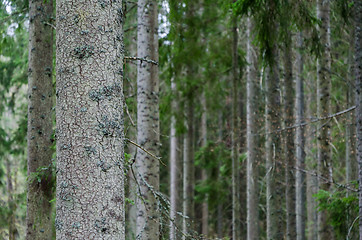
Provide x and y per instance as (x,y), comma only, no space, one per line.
(342,209)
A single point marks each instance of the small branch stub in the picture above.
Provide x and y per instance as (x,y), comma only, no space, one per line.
(141,59)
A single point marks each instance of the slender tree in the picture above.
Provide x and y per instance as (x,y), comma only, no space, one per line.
(323,105)
(299,142)
(148,129)
(204,206)
(234,135)
(358,75)
(89,116)
(40,122)
(251,119)
(173,169)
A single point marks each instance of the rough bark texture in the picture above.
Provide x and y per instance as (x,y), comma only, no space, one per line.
(204,206)
(289,140)
(188,173)
(323,105)
(173,169)
(274,181)
(89,114)
(299,141)
(358,75)
(234,137)
(148,128)
(251,126)
(40,121)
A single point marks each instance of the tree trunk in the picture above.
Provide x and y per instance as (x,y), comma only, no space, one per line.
(274,181)
(323,105)
(234,137)
(188,173)
(299,141)
(220,205)
(11,203)
(358,75)
(173,168)
(252,145)
(89,114)
(289,139)
(40,122)
(204,206)
(148,129)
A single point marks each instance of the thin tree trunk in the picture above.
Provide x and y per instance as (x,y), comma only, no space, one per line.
(90,155)
(234,137)
(188,173)
(251,119)
(220,205)
(323,105)
(358,75)
(11,203)
(289,140)
(173,169)
(299,141)
(40,122)
(204,206)
(274,182)
(148,129)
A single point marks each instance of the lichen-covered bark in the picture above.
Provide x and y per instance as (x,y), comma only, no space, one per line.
(148,129)
(299,142)
(358,75)
(174,181)
(40,121)
(289,139)
(274,169)
(251,139)
(89,116)
(323,106)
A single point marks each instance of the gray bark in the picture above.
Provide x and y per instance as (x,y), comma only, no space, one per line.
(358,75)
(148,129)
(220,205)
(274,181)
(323,106)
(204,206)
(252,145)
(289,140)
(234,137)
(299,142)
(173,169)
(89,116)
(40,122)
(188,172)
(13,232)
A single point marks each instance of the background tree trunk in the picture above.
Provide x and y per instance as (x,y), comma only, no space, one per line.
(148,128)
(40,122)
(205,206)
(252,145)
(89,114)
(323,105)
(299,140)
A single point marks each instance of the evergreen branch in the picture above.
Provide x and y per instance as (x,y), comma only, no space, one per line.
(2,20)
(141,59)
(146,151)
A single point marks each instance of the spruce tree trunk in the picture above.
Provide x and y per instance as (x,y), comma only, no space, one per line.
(188,172)
(234,137)
(289,140)
(89,114)
(252,144)
(173,168)
(323,105)
(40,122)
(299,141)
(13,232)
(274,169)
(358,75)
(204,206)
(148,129)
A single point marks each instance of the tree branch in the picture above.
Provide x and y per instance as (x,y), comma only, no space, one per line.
(141,59)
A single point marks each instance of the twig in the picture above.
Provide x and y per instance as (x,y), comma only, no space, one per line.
(49,24)
(141,59)
(350,228)
(13,14)
(130,118)
(149,153)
